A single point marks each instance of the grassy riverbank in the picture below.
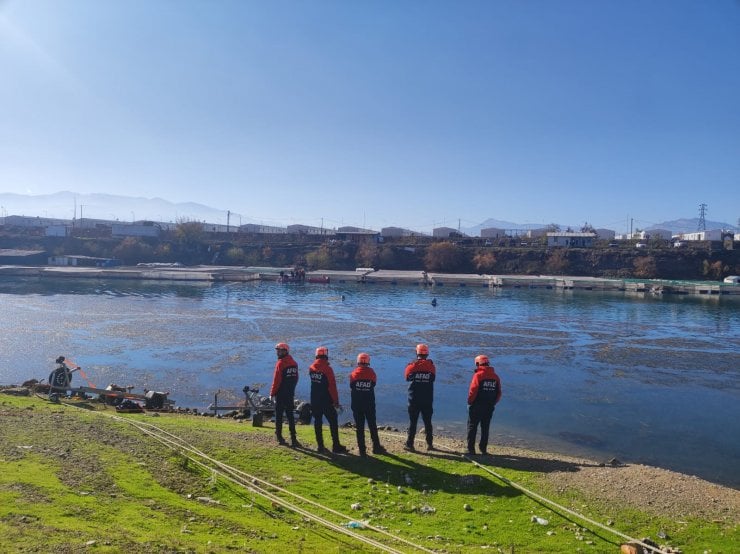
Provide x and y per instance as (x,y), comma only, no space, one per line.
(75,480)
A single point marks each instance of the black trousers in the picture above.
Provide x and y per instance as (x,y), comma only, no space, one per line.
(361,415)
(426,412)
(479,415)
(319,412)
(286,405)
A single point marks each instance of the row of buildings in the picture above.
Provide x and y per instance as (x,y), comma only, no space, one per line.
(62,228)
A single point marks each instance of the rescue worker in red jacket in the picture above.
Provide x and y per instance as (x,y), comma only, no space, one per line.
(283,392)
(483,395)
(324,400)
(420,375)
(362,383)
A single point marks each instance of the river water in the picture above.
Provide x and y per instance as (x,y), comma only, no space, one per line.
(648,379)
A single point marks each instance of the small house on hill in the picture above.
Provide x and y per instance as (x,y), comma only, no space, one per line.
(571,240)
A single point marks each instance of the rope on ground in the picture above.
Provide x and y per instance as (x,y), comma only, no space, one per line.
(253,479)
(547,501)
(173,444)
(240,478)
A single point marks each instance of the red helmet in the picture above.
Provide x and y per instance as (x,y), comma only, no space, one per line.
(322,351)
(363,358)
(282,346)
(482,360)
(422,349)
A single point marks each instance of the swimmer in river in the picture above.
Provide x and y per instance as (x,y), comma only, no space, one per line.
(434,302)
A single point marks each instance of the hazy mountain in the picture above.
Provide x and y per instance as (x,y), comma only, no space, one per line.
(499,224)
(690,225)
(66,205)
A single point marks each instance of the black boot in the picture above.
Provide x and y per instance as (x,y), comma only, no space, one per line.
(378,449)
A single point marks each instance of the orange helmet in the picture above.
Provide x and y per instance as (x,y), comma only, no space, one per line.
(322,351)
(482,360)
(422,349)
(282,346)
(363,358)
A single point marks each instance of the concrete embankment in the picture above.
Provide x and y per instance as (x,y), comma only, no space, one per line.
(386,277)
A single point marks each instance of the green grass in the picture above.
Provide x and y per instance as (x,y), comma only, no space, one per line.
(71,478)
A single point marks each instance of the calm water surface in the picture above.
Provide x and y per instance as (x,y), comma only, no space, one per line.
(645,379)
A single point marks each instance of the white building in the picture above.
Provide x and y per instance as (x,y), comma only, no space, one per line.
(571,240)
(664,234)
(134,230)
(715,234)
(308,230)
(264,229)
(23,221)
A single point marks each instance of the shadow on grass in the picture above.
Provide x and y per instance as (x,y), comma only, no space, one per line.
(517,463)
(524,463)
(405,472)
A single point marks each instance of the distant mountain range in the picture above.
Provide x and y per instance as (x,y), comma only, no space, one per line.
(68,205)
(690,225)
(676,226)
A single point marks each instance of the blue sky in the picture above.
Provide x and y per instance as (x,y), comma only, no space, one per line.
(409,113)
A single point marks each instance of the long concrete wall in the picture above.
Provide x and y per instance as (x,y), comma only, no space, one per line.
(384,277)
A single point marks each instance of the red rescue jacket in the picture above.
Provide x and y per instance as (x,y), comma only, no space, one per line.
(323,384)
(420,375)
(485,387)
(362,382)
(285,378)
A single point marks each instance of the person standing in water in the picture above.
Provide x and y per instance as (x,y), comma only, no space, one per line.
(282,392)
(483,395)
(362,383)
(324,400)
(420,375)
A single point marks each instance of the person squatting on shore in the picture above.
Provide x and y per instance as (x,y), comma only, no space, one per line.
(483,395)
(60,379)
(282,392)
(362,382)
(420,375)
(324,400)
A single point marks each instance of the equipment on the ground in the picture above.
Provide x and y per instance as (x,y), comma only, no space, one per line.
(260,407)
(60,384)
